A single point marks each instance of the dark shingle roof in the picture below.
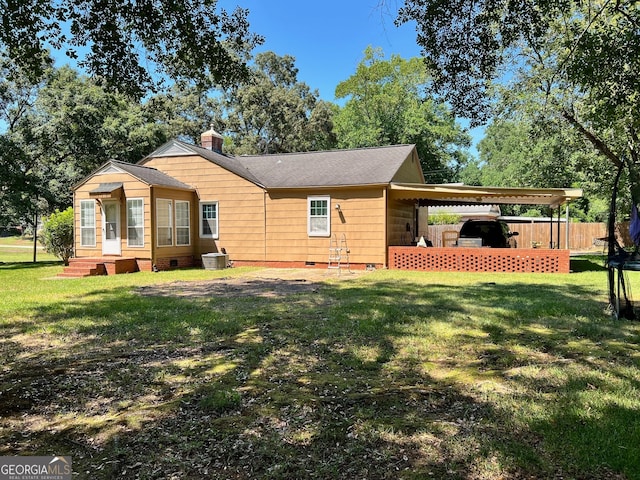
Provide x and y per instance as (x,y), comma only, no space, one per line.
(107,187)
(362,166)
(150,176)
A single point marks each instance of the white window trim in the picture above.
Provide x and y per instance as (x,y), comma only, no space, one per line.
(129,226)
(213,235)
(326,198)
(93,227)
(187,226)
(171,214)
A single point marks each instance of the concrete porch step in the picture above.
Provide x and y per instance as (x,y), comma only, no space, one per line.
(81,267)
(85,267)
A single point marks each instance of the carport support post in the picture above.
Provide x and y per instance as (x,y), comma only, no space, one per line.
(566,227)
(551,228)
(558,232)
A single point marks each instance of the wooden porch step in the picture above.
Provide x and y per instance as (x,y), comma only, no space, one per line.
(73,274)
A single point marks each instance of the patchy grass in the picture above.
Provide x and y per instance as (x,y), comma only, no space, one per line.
(390,375)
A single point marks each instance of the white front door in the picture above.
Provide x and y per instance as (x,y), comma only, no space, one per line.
(111,228)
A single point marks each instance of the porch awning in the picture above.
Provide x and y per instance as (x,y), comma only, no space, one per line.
(431,195)
(107,190)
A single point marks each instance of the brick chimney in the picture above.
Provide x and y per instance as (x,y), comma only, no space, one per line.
(212,140)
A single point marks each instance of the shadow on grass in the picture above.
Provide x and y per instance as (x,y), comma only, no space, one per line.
(371,379)
(591,263)
(28,265)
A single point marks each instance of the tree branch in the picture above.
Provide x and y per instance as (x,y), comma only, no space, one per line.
(595,141)
(633,144)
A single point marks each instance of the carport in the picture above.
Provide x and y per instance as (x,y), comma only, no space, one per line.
(483,259)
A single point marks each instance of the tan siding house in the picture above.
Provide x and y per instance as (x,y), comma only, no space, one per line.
(183,201)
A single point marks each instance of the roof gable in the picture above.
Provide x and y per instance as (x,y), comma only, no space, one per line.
(108,168)
(176,148)
(173,149)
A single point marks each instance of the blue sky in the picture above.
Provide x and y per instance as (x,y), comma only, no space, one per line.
(328,38)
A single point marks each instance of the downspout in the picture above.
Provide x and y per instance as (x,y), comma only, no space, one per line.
(75,230)
(385,196)
(264,224)
(152,213)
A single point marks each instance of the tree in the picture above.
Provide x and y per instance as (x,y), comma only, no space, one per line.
(520,154)
(56,132)
(57,234)
(385,105)
(273,112)
(185,111)
(83,124)
(131,46)
(578,61)
(21,179)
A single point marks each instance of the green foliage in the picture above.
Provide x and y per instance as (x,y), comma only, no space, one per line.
(444,218)
(467,44)
(386,105)
(526,154)
(274,112)
(184,112)
(56,131)
(57,234)
(571,62)
(131,47)
(532,212)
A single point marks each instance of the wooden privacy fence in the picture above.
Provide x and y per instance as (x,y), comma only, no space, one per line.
(582,236)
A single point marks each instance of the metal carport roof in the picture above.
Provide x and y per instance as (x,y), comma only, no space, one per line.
(453,194)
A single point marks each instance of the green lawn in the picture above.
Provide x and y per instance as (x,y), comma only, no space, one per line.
(388,375)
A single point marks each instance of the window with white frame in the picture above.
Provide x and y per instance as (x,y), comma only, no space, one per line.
(164,222)
(135,222)
(209,219)
(183,224)
(319,216)
(88,223)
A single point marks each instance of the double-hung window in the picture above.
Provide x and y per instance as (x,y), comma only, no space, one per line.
(88,223)
(209,219)
(135,222)
(183,227)
(318,216)
(164,222)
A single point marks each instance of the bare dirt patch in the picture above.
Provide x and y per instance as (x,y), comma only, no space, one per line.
(270,282)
